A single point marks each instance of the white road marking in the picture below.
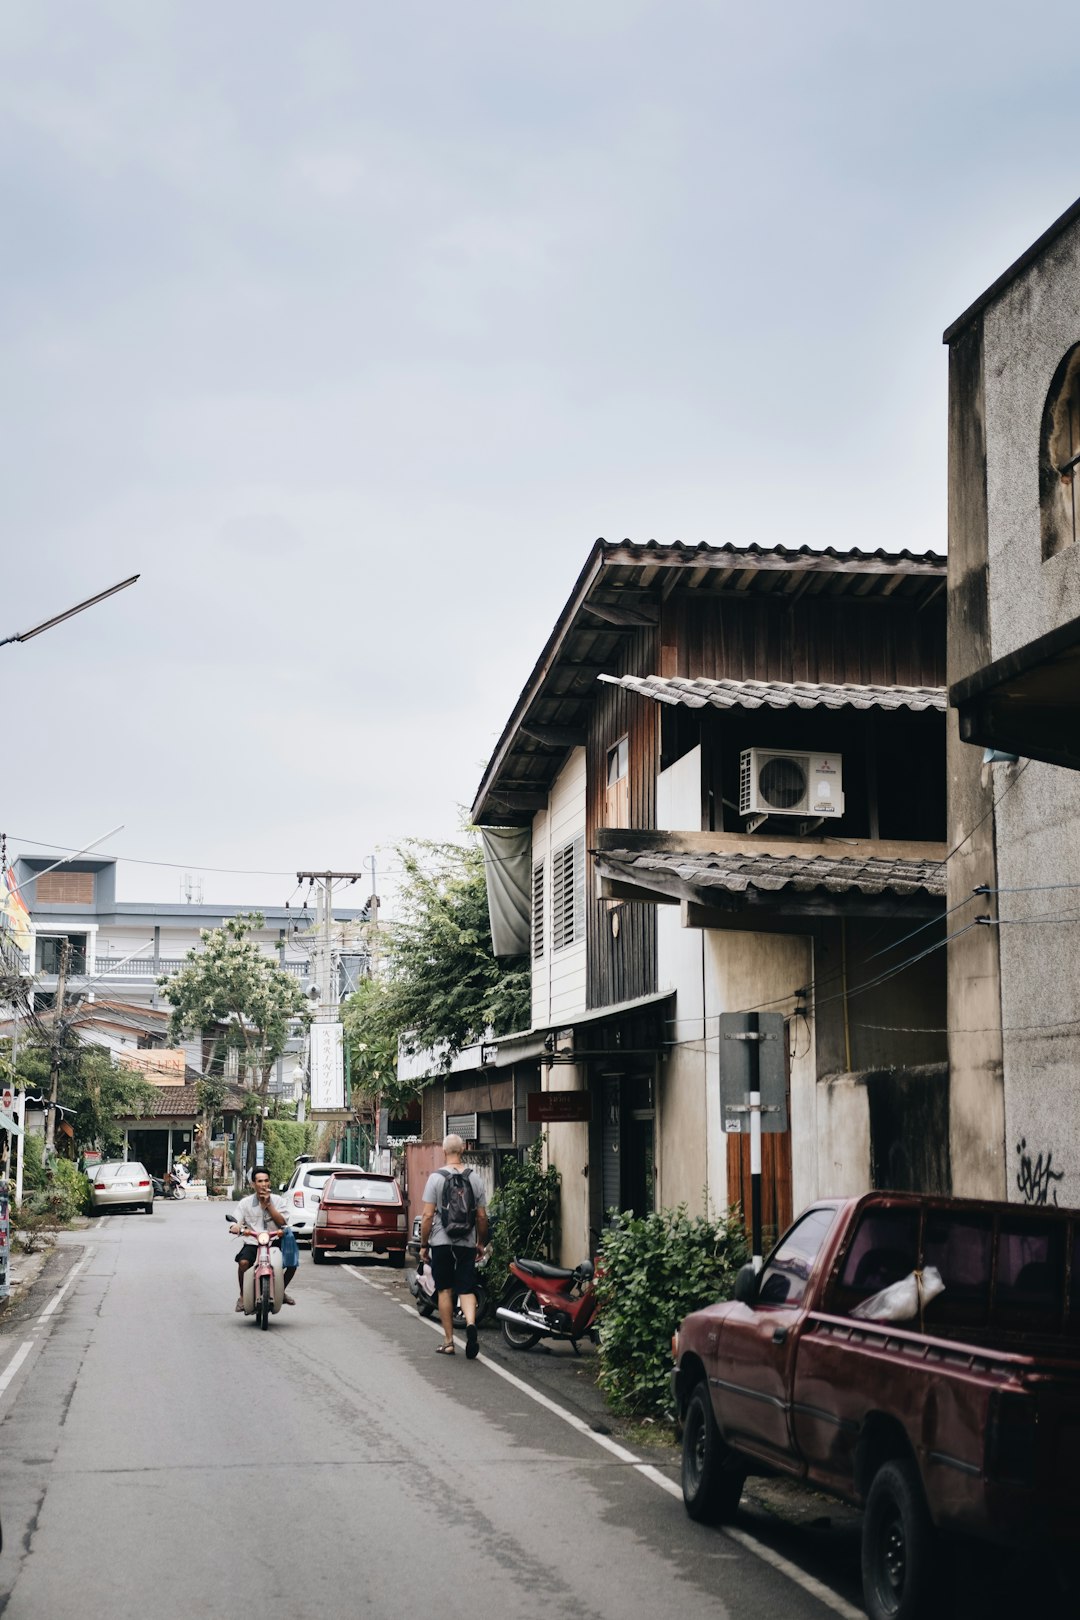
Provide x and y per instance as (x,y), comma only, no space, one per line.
(816,1589)
(53,1303)
(101,1221)
(15,1363)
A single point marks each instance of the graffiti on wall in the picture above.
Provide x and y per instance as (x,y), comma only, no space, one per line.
(1035,1177)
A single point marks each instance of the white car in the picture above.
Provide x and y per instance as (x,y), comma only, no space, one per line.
(122,1184)
(303,1193)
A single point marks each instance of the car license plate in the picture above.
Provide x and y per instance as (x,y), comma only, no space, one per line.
(361,1246)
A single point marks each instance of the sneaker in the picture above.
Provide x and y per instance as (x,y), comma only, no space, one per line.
(472,1345)
(239,1306)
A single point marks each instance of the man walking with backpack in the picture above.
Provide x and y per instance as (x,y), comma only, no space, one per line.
(453,1232)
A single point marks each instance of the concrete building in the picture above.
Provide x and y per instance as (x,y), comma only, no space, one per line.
(118,949)
(1014,675)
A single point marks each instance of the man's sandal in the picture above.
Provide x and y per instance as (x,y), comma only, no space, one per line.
(445,1350)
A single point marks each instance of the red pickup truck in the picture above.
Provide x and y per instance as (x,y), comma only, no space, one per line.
(961,1421)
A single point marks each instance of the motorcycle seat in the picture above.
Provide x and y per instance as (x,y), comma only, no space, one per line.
(540,1268)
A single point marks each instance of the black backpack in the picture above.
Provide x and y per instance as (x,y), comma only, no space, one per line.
(457,1204)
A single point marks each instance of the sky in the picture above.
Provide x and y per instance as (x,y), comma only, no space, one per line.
(351,326)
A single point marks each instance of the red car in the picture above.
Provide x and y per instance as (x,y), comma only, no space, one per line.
(360,1213)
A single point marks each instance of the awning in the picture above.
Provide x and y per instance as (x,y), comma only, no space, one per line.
(725,694)
(1027,703)
(788,885)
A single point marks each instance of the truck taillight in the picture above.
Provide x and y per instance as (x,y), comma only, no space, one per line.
(401,1223)
(320,1219)
(298,1199)
(675,1346)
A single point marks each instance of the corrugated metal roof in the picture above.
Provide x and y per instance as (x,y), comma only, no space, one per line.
(700,694)
(772,874)
(622,587)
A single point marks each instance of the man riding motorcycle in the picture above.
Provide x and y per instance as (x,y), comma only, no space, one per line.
(263,1211)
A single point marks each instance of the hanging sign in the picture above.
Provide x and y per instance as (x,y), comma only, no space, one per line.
(327,1068)
(558,1107)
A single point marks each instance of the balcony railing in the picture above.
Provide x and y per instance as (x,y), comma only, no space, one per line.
(144,967)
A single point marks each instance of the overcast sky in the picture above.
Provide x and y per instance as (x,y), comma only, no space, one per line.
(352,325)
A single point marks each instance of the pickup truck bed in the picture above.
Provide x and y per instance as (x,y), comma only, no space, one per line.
(966,1423)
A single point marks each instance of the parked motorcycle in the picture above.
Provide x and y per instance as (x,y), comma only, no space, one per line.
(548,1302)
(422,1288)
(167,1188)
(264,1282)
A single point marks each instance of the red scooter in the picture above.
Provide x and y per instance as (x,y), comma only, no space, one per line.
(548,1302)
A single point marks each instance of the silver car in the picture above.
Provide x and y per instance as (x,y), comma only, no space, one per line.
(122,1184)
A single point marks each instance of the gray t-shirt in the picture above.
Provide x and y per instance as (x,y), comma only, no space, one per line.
(250,1214)
(432,1195)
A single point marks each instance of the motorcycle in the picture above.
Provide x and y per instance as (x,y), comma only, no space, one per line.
(167,1188)
(543,1301)
(422,1288)
(264,1282)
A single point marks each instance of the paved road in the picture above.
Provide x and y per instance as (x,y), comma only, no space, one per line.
(161,1457)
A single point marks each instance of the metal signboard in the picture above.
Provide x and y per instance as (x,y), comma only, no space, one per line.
(737,1065)
(558,1107)
(327,1068)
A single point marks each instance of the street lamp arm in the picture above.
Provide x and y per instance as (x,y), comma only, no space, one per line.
(69,613)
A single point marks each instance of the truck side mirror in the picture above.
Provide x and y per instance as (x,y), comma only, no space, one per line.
(746,1285)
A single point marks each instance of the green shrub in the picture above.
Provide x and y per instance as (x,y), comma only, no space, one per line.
(524,1217)
(33,1172)
(284,1139)
(654,1270)
(71,1188)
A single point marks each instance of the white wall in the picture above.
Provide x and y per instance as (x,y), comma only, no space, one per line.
(686,1173)
(559,978)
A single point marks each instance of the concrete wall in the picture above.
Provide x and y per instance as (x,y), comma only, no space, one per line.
(567,1148)
(1025,334)
(691,1164)
(746,970)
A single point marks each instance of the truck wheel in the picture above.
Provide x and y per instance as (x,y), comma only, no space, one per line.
(712,1476)
(899,1547)
(317,1256)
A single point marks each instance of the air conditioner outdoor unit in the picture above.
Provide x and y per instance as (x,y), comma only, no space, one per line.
(778,782)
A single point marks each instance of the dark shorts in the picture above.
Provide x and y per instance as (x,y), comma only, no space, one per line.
(453,1266)
(249,1252)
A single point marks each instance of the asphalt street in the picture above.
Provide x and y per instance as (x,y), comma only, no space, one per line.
(160,1457)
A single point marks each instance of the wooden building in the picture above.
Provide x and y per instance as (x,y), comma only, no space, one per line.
(731,763)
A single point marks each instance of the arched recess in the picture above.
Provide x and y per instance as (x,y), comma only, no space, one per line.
(1059,458)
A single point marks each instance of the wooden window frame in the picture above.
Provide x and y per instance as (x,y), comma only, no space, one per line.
(568,894)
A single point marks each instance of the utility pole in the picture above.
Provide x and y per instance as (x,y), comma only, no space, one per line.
(58,1036)
(325,1044)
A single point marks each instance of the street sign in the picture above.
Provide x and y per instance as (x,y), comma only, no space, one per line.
(327,1067)
(260,1155)
(558,1107)
(735,1071)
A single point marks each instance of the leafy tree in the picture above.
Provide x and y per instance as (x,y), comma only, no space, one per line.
(442,985)
(231,984)
(372,1024)
(95,1090)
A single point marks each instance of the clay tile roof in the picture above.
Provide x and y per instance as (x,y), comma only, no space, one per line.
(181,1100)
(700,693)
